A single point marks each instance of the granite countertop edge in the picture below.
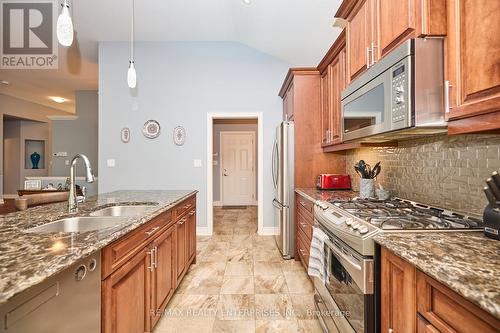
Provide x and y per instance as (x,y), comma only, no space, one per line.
(469,273)
(44,264)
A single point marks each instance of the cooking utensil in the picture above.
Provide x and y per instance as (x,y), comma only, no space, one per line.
(494,188)
(496,178)
(357,171)
(376,170)
(490,196)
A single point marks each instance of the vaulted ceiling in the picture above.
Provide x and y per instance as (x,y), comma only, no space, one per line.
(296,31)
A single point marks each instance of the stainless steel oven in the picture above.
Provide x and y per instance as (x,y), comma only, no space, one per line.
(345,302)
(401,95)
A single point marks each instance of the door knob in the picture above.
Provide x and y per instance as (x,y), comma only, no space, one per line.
(225,173)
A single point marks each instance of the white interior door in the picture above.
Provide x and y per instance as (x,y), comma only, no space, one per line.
(237,168)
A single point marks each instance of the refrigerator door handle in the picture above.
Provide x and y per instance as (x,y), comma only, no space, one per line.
(277,204)
(274,166)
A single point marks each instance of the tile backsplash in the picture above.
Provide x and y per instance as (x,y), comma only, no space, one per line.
(444,171)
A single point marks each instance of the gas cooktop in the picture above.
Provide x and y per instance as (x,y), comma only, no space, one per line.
(399,214)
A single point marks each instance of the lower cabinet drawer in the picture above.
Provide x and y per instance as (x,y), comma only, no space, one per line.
(303,247)
(305,205)
(122,250)
(305,225)
(446,311)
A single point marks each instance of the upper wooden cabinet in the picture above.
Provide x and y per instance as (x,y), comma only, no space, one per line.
(375,27)
(333,82)
(473,65)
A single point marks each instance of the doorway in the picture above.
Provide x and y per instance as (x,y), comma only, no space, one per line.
(234,164)
(237,168)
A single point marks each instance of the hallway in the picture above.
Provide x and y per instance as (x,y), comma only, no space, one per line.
(241,284)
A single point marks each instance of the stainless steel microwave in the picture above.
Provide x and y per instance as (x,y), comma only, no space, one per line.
(399,97)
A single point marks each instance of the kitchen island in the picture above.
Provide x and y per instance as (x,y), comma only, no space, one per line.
(167,229)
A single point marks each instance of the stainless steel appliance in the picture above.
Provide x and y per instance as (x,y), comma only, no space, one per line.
(68,302)
(283,181)
(349,294)
(401,96)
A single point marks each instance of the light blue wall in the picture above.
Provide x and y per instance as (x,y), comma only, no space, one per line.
(178,84)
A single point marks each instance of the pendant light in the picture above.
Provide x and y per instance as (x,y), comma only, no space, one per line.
(131,74)
(65,26)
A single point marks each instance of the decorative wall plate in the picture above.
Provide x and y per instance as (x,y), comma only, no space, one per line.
(151,129)
(179,135)
(125,135)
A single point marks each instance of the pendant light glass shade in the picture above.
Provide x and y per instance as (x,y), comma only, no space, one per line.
(131,76)
(131,73)
(65,26)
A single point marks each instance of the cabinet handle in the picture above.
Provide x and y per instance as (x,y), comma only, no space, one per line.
(152,231)
(151,266)
(187,206)
(302,224)
(302,251)
(182,221)
(374,46)
(446,96)
(367,57)
(191,213)
(390,330)
(302,203)
(156,256)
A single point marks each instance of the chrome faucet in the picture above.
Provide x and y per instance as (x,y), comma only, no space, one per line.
(73,200)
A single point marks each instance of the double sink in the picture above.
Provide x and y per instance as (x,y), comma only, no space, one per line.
(105,218)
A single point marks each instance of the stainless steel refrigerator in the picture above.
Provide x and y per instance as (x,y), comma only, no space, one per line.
(283,180)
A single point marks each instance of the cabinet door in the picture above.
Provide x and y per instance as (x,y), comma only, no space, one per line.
(423,326)
(181,256)
(191,231)
(473,57)
(125,296)
(398,300)
(325,107)
(163,276)
(338,85)
(359,39)
(395,23)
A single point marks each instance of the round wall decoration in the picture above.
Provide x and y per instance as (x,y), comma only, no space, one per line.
(125,135)
(151,129)
(179,135)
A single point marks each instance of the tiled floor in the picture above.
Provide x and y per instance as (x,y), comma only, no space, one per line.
(241,284)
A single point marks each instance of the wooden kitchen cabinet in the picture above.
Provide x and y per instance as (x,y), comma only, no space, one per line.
(398,302)
(473,65)
(304,222)
(125,296)
(141,271)
(376,27)
(412,301)
(163,277)
(333,82)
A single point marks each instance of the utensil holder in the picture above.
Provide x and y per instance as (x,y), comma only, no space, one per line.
(367,188)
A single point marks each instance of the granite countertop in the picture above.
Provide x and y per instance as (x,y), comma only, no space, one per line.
(26,259)
(314,194)
(466,262)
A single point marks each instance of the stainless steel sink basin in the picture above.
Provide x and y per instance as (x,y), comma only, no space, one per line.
(78,224)
(123,211)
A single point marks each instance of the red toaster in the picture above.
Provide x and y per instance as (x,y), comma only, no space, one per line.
(333,182)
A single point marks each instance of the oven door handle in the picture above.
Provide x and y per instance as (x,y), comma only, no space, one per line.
(343,256)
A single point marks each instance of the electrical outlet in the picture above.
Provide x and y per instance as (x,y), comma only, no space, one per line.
(66,162)
(197,163)
(111,163)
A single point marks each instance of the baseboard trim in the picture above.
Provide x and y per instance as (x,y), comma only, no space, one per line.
(10,196)
(203,231)
(268,231)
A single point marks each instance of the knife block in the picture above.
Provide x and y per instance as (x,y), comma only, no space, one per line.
(491,221)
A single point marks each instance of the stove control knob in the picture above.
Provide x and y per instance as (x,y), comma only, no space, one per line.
(348,221)
(363,229)
(324,206)
(355,225)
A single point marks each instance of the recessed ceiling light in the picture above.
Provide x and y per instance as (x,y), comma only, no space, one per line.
(4,82)
(247,2)
(58,99)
